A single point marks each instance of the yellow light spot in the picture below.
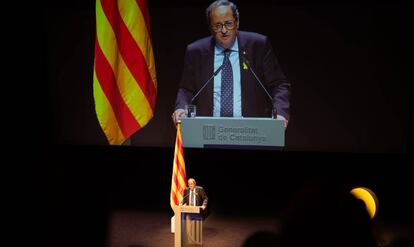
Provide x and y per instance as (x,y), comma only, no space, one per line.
(368,197)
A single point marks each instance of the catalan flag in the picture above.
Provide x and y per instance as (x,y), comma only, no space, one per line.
(179,180)
(124,80)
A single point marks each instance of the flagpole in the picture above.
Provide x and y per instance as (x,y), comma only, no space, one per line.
(178,126)
(173,217)
(178,182)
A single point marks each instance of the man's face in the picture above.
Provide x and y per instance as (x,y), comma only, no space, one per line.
(191,184)
(223,26)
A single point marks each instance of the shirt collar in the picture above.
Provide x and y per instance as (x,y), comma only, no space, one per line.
(218,50)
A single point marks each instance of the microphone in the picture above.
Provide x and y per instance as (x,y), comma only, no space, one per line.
(247,64)
(209,79)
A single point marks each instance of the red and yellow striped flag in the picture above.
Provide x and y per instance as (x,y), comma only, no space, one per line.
(179,180)
(124,80)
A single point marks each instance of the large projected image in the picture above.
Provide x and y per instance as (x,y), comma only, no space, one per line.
(332,77)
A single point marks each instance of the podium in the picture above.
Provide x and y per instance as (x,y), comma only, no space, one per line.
(188,226)
(228,132)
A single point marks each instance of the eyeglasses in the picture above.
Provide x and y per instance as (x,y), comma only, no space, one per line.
(219,26)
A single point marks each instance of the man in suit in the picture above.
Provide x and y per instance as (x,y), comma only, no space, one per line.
(234,91)
(195,195)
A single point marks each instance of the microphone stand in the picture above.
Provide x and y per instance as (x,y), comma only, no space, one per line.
(205,84)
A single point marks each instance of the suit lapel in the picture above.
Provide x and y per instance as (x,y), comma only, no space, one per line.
(243,72)
(195,196)
(209,57)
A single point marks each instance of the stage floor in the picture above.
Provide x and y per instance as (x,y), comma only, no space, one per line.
(134,228)
(139,229)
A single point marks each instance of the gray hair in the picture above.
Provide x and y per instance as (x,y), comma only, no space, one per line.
(219,3)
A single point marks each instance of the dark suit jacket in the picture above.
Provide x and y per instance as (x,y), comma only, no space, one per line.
(201,197)
(199,66)
(201,200)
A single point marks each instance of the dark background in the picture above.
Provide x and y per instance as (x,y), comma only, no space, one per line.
(351,122)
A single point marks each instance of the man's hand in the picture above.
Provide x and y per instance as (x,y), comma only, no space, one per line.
(280,117)
(177,115)
(203,207)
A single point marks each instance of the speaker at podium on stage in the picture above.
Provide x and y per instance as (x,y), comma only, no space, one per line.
(189,216)
(233,74)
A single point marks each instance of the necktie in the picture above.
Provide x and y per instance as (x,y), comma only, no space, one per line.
(226,106)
